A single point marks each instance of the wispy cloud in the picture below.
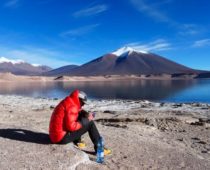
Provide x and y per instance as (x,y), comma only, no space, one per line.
(12,3)
(151,10)
(40,56)
(202,43)
(4,59)
(190,29)
(157,45)
(155,11)
(94,10)
(79,31)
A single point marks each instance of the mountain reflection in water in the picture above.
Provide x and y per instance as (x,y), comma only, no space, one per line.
(155,90)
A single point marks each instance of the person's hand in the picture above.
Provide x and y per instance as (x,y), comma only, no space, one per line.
(90,117)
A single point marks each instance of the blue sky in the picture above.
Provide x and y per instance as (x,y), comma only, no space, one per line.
(62,32)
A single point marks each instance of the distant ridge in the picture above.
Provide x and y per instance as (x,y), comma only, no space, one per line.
(19,67)
(60,71)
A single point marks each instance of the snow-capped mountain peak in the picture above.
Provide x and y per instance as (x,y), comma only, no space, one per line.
(6,60)
(20,67)
(18,61)
(36,65)
(127,50)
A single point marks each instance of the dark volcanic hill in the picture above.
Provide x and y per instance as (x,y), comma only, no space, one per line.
(22,68)
(127,61)
(60,71)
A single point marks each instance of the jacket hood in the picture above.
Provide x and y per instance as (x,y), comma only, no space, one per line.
(75,97)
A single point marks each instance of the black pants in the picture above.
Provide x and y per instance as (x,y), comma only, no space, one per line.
(87,126)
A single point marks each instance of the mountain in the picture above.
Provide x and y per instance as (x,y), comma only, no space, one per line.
(127,61)
(60,71)
(19,67)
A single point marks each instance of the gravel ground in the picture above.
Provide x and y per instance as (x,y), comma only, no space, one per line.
(141,135)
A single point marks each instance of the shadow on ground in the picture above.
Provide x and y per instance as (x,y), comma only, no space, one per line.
(25,135)
(89,152)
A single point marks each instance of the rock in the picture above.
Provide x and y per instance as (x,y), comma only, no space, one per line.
(196,104)
(38,109)
(144,106)
(180,139)
(109,111)
(182,130)
(204,151)
(206,120)
(52,107)
(177,105)
(207,125)
(195,138)
(202,142)
(191,120)
(204,108)
(198,123)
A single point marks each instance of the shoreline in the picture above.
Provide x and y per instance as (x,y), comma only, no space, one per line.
(9,77)
(141,135)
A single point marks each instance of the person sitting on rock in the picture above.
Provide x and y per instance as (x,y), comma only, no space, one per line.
(69,122)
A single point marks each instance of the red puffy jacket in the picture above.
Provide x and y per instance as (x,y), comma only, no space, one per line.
(64,117)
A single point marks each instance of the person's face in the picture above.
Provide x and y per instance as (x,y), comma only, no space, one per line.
(81,103)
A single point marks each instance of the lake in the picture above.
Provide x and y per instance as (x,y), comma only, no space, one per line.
(154,90)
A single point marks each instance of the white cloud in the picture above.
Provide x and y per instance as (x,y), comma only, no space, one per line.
(12,3)
(151,10)
(94,10)
(202,43)
(6,60)
(190,29)
(155,11)
(79,31)
(33,55)
(157,45)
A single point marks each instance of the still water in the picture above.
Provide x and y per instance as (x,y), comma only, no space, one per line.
(154,90)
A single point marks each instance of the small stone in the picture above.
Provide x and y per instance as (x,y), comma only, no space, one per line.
(191,120)
(143,106)
(198,123)
(202,142)
(180,139)
(195,138)
(196,104)
(109,111)
(207,125)
(52,107)
(177,105)
(204,108)
(182,130)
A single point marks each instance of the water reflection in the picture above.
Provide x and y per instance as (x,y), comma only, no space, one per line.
(199,92)
(144,89)
(157,90)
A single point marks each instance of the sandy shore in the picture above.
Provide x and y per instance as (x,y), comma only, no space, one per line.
(141,134)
